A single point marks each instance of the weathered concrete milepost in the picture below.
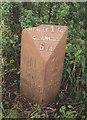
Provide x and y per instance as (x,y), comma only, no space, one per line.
(42,58)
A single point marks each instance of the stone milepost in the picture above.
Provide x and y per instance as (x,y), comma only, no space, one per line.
(42,58)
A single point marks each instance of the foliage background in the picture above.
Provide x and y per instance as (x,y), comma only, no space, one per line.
(72,97)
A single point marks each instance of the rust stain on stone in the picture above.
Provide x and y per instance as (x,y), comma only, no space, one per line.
(42,58)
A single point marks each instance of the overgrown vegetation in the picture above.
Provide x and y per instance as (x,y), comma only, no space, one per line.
(72,97)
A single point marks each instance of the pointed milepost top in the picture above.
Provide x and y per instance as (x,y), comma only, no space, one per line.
(46,38)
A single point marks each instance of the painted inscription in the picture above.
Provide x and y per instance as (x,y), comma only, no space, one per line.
(45,29)
(46,47)
(43,46)
(46,38)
